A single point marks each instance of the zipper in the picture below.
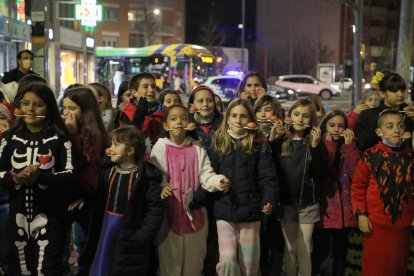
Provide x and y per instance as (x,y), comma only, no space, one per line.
(303,176)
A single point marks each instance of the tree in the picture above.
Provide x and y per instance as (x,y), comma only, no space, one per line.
(209,34)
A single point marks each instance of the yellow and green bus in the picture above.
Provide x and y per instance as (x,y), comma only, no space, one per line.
(190,62)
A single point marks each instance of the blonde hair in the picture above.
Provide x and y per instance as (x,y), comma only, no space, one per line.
(289,134)
(222,142)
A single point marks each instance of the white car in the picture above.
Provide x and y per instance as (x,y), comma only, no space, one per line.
(305,84)
(224,86)
(344,84)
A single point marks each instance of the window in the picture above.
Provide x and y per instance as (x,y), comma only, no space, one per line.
(110,41)
(111,13)
(136,40)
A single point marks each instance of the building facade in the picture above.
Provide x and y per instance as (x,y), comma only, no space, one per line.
(140,23)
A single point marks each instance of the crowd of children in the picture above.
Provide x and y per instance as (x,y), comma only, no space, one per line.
(155,187)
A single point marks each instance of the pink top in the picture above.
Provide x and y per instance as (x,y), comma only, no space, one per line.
(183,173)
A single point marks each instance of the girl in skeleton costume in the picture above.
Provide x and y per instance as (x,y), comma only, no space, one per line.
(182,239)
(83,120)
(37,166)
(127,210)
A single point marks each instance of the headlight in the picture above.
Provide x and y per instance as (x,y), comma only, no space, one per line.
(335,86)
(290,91)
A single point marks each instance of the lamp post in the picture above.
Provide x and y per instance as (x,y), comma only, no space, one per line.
(242,36)
(356,6)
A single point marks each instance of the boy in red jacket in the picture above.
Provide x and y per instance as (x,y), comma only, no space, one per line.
(382,198)
(143,110)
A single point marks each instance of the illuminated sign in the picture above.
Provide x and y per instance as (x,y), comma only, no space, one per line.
(207,59)
(20,14)
(88,12)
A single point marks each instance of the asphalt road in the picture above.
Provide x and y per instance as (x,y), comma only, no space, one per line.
(343,102)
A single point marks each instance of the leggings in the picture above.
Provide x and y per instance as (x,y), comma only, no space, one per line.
(297,256)
(239,247)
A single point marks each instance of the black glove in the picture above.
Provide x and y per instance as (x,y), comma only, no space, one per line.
(141,112)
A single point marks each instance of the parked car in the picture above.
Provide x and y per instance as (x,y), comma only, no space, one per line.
(344,84)
(305,85)
(224,86)
(280,92)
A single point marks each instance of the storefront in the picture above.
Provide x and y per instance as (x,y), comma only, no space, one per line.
(77,61)
(14,36)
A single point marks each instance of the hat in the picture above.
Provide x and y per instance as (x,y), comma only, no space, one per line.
(9,90)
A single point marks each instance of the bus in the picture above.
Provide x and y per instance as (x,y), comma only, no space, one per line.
(190,62)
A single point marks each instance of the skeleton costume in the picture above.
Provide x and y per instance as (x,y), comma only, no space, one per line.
(38,210)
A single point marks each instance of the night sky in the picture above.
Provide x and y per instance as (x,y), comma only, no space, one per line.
(227,13)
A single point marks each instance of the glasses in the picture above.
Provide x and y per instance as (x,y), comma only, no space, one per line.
(35,104)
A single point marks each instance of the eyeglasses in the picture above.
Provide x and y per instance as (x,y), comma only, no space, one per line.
(35,104)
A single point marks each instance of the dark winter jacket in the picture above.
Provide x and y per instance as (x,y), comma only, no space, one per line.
(149,122)
(254,183)
(367,123)
(301,172)
(134,249)
(15,75)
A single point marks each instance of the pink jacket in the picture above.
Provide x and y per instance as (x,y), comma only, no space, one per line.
(338,213)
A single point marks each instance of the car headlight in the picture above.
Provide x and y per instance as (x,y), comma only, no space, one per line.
(291,92)
(335,86)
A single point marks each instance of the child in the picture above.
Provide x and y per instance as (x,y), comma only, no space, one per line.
(82,118)
(320,109)
(392,88)
(123,97)
(37,164)
(336,210)
(143,110)
(371,99)
(382,198)
(219,103)
(207,119)
(127,210)
(169,97)
(247,162)
(7,265)
(104,98)
(269,115)
(206,116)
(185,165)
(252,87)
(301,161)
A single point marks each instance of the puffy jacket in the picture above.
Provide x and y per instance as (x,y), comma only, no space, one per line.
(301,172)
(134,246)
(337,210)
(254,183)
(366,196)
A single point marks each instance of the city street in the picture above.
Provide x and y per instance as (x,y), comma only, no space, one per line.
(343,102)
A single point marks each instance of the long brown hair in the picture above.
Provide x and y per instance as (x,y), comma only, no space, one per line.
(222,141)
(289,134)
(91,126)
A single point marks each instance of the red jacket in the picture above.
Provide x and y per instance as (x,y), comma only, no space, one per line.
(338,213)
(366,194)
(352,119)
(152,124)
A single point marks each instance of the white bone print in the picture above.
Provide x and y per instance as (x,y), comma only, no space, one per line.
(22,258)
(42,245)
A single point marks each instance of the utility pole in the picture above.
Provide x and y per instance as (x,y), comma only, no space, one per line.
(405,38)
(357,9)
